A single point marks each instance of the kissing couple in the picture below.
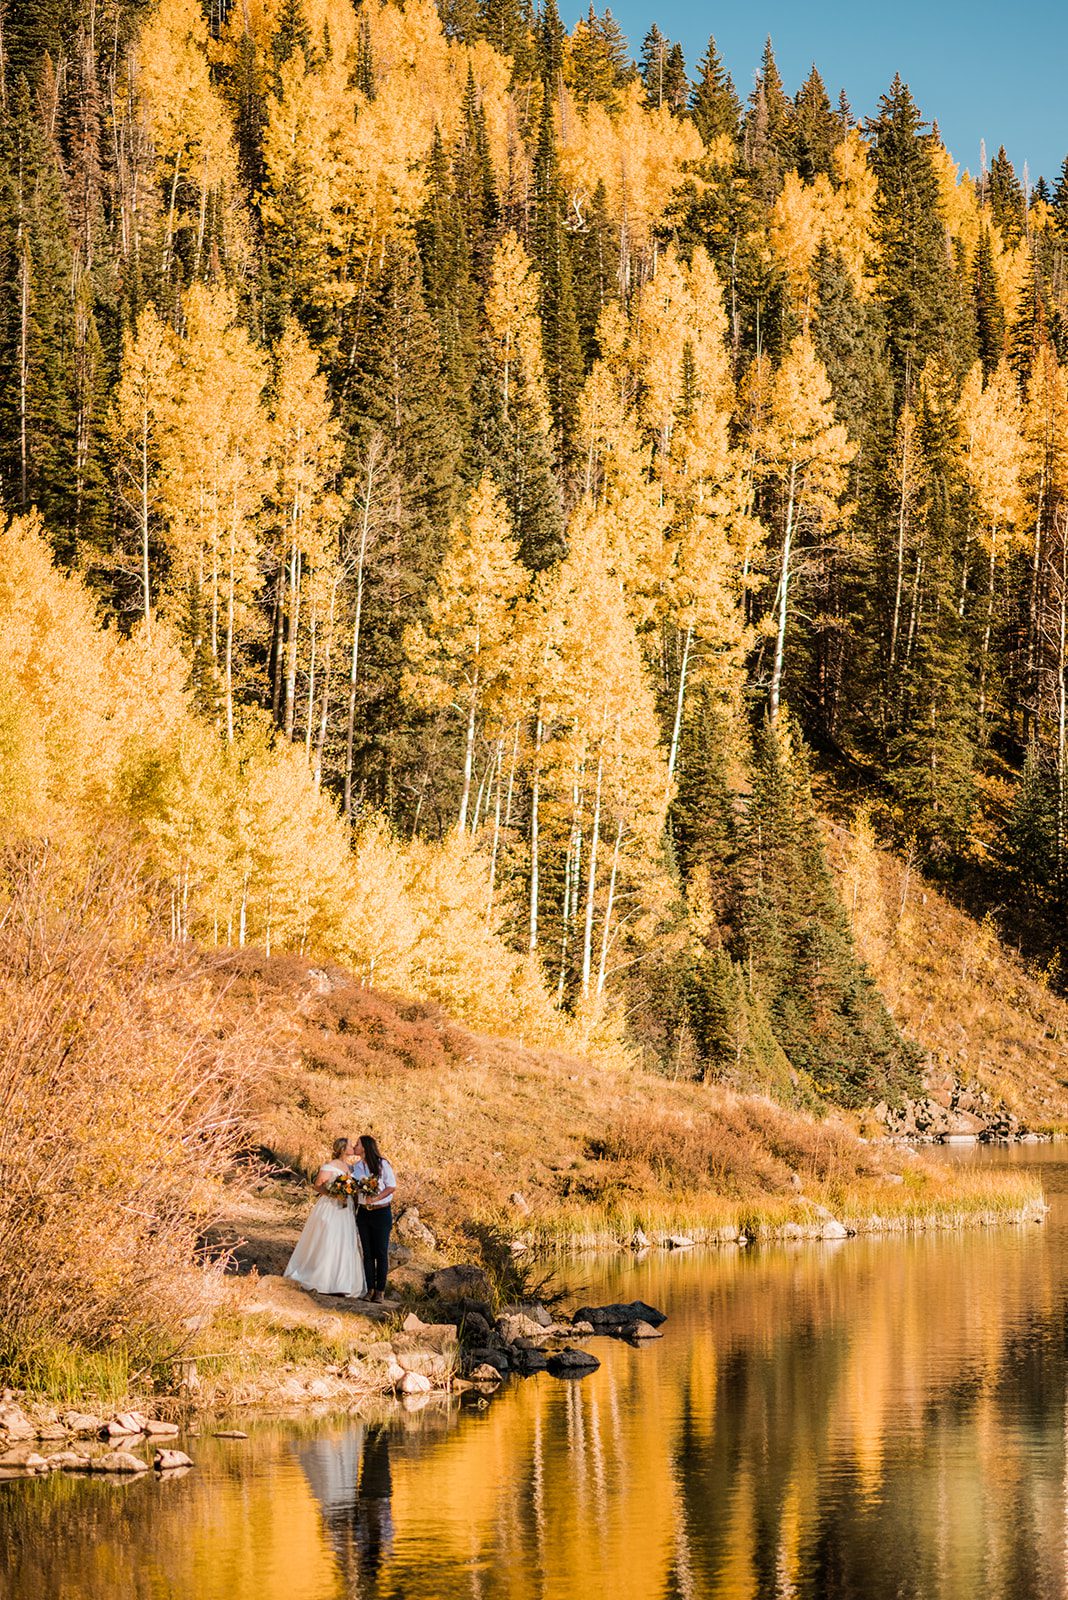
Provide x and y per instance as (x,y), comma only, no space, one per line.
(344,1245)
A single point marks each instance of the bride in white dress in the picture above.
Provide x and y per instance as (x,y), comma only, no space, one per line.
(328,1257)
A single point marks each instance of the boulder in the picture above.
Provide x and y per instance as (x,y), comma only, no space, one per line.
(118,1461)
(639,1239)
(459,1283)
(833,1229)
(14,1424)
(642,1330)
(395,1373)
(67,1461)
(23,1458)
(439,1336)
(51,1430)
(487,1357)
(413,1231)
(169,1460)
(415,1383)
(125,1424)
(571,1363)
(83,1424)
(678,1241)
(231,1433)
(429,1364)
(476,1328)
(613,1317)
(156,1428)
(485,1372)
(580,1330)
(528,1362)
(519,1327)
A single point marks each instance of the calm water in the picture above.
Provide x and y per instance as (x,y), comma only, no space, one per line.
(875,1419)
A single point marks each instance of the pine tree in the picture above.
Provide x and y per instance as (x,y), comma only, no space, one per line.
(989,316)
(714,105)
(816,130)
(1059,203)
(1005,196)
(563,355)
(912,272)
(795,940)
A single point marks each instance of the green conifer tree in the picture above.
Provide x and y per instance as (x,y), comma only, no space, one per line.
(714,104)
(989,316)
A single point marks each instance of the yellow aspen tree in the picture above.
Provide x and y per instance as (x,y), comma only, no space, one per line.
(800,221)
(137,417)
(304,459)
(990,417)
(601,758)
(803,454)
(462,655)
(514,325)
(213,478)
(188,122)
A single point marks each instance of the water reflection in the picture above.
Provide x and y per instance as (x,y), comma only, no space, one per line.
(350,1477)
(884,1419)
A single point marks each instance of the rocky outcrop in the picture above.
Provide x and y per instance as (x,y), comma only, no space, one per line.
(951,1110)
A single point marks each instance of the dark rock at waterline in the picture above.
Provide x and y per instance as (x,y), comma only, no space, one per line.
(486,1357)
(527,1362)
(619,1318)
(571,1363)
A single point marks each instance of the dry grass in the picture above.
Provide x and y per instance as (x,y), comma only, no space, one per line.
(594,1149)
(975,1008)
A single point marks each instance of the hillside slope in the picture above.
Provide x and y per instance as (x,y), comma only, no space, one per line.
(493,1139)
(978,1011)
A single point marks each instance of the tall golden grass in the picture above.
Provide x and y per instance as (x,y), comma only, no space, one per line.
(121,1094)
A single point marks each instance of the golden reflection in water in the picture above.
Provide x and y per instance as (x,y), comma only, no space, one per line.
(883,1419)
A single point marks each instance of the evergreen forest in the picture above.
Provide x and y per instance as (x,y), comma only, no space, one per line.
(476,503)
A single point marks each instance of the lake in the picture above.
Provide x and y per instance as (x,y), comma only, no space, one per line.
(872,1418)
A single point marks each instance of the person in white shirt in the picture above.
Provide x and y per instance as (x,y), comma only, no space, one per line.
(374,1213)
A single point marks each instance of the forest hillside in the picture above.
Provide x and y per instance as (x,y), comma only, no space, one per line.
(475,506)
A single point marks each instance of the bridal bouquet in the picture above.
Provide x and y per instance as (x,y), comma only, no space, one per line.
(342,1188)
(366,1186)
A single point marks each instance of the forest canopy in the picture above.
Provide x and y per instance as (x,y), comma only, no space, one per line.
(462,483)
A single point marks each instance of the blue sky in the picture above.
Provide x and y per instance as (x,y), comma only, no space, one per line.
(980,71)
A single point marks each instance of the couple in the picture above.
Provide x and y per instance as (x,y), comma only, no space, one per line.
(328,1258)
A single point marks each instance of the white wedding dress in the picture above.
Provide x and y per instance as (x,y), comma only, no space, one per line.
(328,1258)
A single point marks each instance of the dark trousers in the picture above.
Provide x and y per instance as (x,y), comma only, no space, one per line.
(374,1227)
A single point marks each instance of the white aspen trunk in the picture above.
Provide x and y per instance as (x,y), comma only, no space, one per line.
(570,869)
(230,637)
(328,664)
(354,664)
(496,836)
(291,638)
(511,778)
(313,642)
(988,628)
(591,881)
(146,597)
(201,222)
(532,943)
(784,587)
(914,608)
(469,754)
(603,967)
(677,729)
(901,519)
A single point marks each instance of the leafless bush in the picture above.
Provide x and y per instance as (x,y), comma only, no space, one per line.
(121,1095)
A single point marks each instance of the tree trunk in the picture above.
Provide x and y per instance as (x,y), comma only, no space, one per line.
(784,586)
(677,728)
(291,639)
(532,944)
(328,664)
(469,756)
(899,586)
(602,969)
(591,881)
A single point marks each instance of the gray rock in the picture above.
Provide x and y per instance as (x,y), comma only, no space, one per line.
(83,1424)
(487,1357)
(413,1230)
(52,1430)
(169,1460)
(118,1461)
(571,1363)
(619,1315)
(67,1461)
(678,1241)
(519,1327)
(415,1383)
(458,1283)
(14,1424)
(520,1202)
(581,1330)
(528,1362)
(484,1373)
(639,1240)
(156,1428)
(23,1458)
(430,1364)
(231,1433)
(642,1330)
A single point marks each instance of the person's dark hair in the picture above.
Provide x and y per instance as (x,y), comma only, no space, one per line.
(371,1154)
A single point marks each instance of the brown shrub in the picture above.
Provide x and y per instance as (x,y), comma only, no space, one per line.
(121,1096)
